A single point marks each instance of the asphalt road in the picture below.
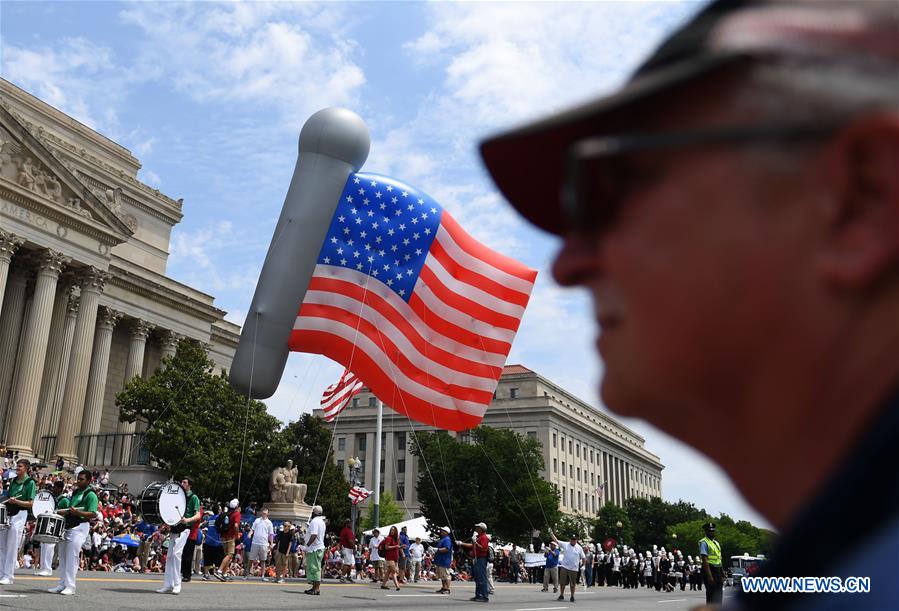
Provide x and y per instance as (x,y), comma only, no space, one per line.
(101,591)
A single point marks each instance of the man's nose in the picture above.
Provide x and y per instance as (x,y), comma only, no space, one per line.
(578,260)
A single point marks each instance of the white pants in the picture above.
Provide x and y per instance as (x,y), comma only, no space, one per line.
(47,551)
(9,544)
(70,552)
(173,559)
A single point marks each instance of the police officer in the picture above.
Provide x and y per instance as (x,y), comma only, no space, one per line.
(712,572)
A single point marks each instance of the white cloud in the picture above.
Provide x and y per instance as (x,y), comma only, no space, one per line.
(149,177)
(200,259)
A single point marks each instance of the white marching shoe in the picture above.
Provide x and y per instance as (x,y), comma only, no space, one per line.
(56,590)
(68,591)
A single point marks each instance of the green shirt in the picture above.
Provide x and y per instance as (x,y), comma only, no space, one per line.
(62,502)
(85,500)
(193,506)
(24,491)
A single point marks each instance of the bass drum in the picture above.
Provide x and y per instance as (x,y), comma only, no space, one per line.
(163,503)
(4,517)
(44,502)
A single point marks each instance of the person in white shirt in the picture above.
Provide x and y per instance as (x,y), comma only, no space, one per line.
(373,555)
(416,553)
(315,549)
(261,534)
(570,564)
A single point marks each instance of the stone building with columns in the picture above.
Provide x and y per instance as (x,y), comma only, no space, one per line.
(589,456)
(85,303)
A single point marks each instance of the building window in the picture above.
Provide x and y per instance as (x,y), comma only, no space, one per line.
(569,446)
(513,393)
(592,479)
(563,468)
(355,401)
(554,441)
(570,471)
(373,402)
(382,469)
(341,444)
(564,495)
(555,465)
(571,493)
(362,471)
(577,450)
(401,465)
(579,500)
(532,434)
(401,492)
(465,438)
(340,465)
(578,474)
(591,455)
(593,502)
(401,442)
(361,442)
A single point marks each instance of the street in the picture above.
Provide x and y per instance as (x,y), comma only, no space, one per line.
(131,591)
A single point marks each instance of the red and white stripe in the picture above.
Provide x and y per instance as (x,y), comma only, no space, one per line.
(438,357)
(337,396)
(358,494)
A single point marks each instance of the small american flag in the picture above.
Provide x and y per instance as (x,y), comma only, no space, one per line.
(600,490)
(358,494)
(337,396)
(415,306)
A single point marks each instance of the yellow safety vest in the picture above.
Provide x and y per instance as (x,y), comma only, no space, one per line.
(714,551)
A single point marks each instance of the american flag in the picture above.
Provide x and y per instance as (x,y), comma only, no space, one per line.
(337,396)
(601,489)
(405,298)
(358,494)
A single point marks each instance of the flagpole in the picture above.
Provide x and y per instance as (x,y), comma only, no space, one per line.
(376,514)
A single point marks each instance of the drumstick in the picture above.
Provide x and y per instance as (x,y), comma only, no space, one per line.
(5,501)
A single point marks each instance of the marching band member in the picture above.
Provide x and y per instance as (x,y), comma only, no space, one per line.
(80,511)
(21,494)
(178,539)
(48,549)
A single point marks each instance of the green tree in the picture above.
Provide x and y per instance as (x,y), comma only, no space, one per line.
(495,478)
(606,525)
(389,512)
(581,526)
(197,422)
(651,517)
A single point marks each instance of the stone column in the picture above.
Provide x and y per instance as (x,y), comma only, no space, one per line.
(10,331)
(9,244)
(79,363)
(139,332)
(96,382)
(51,364)
(169,342)
(58,390)
(34,351)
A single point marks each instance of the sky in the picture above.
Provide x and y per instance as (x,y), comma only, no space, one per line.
(210,97)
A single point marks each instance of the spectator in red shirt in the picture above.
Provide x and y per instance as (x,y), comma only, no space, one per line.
(391,555)
(478,546)
(347,545)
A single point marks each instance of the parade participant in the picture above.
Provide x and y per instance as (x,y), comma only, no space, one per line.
(78,513)
(49,549)
(262,533)
(374,555)
(228,525)
(443,559)
(712,571)
(479,548)
(416,553)
(283,540)
(347,545)
(745,178)
(514,563)
(20,496)
(572,560)
(213,552)
(178,539)
(403,560)
(315,549)
(551,568)
(392,549)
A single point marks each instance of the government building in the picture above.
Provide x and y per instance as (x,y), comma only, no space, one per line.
(86,303)
(589,456)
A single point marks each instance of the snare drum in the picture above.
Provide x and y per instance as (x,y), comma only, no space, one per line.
(44,502)
(4,517)
(49,528)
(163,503)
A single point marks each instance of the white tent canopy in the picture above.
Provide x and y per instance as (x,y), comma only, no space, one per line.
(416,527)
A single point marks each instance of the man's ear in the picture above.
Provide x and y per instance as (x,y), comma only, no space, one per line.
(863,168)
